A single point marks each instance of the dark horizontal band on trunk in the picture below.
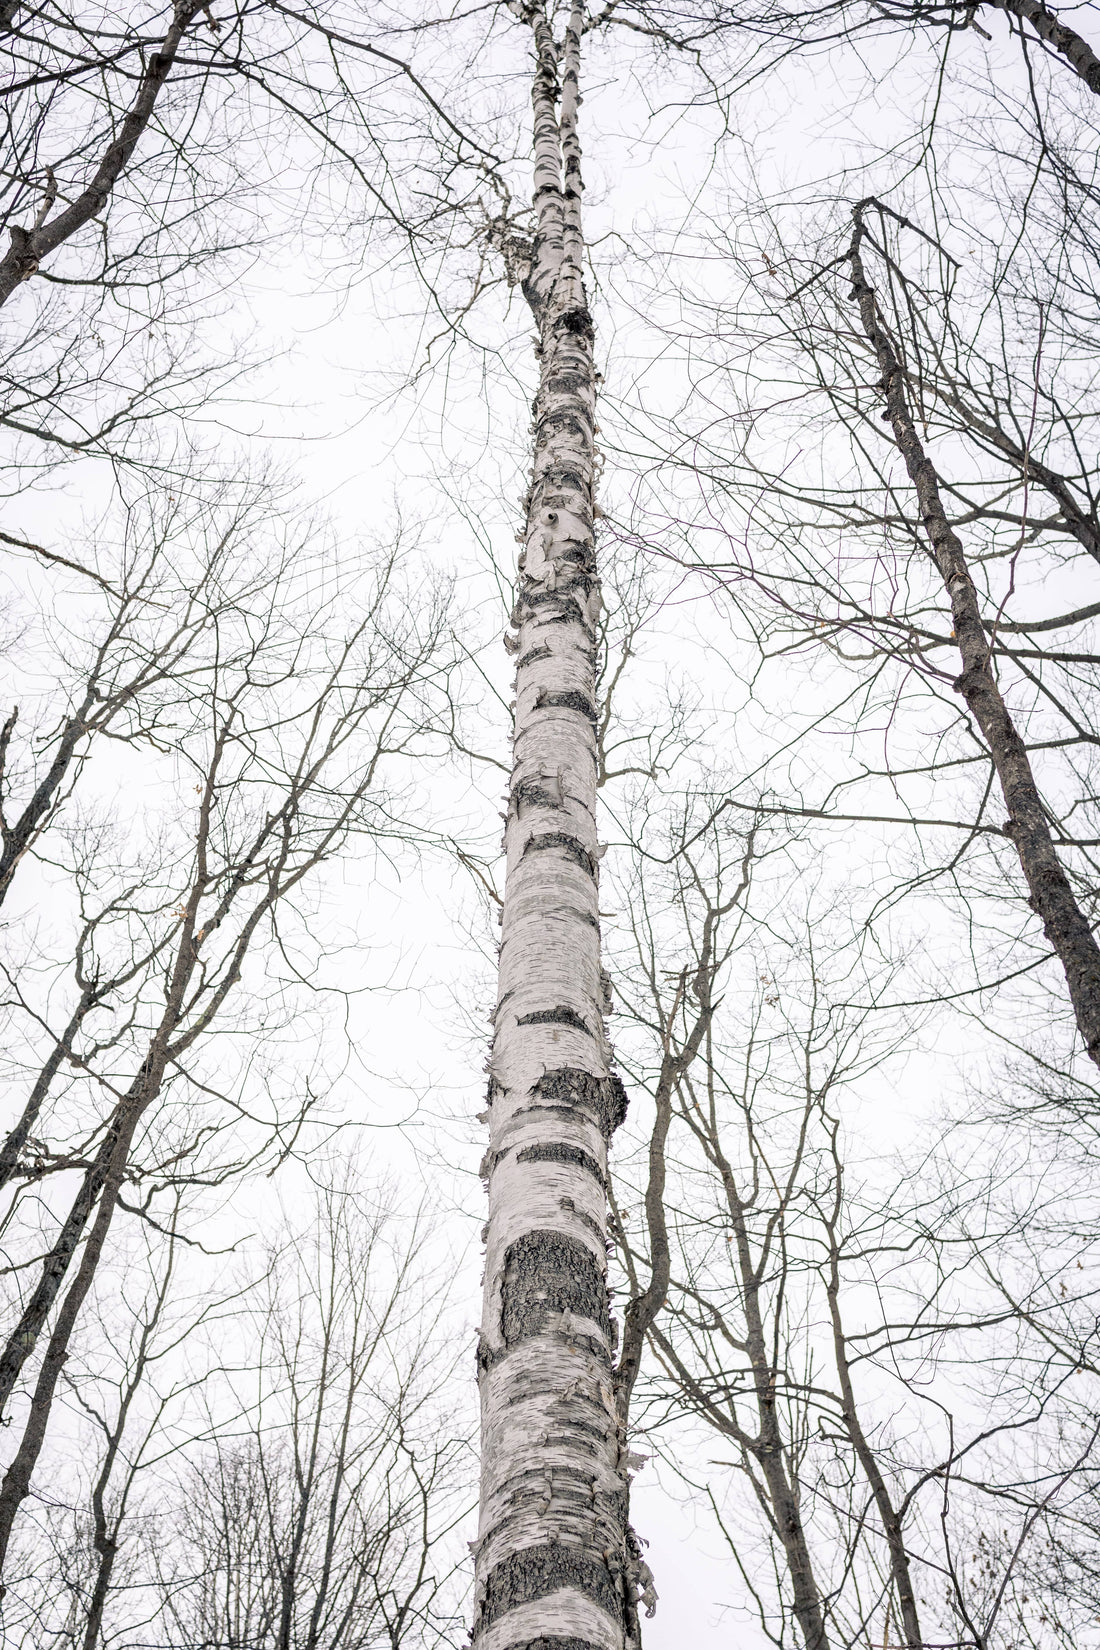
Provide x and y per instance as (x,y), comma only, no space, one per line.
(532,793)
(567,699)
(568,381)
(563,476)
(604,1097)
(570,846)
(540,651)
(563,1015)
(557,1643)
(544,1275)
(547,1151)
(561,1151)
(562,605)
(532,1573)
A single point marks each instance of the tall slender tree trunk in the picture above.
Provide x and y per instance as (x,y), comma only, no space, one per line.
(893,1528)
(16,1483)
(554,1564)
(1065,925)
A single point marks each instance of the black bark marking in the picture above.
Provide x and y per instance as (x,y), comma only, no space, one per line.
(534,654)
(570,481)
(560,1151)
(490,1161)
(545,1274)
(575,421)
(563,605)
(566,1112)
(570,846)
(534,1572)
(567,381)
(577,321)
(563,1015)
(547,607)
(556,1643)
(485,1357)
(567,699)
(604,1097)
(534,794)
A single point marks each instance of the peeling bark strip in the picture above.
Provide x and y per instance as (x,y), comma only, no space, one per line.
(555,1568)
(560,1151)
(1052,898)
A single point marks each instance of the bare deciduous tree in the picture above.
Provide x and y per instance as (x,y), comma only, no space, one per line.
(881,1396)
(281,726)
(276,1462)
(323,1517)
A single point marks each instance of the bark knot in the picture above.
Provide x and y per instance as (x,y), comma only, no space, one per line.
(603,1097)
(576,321)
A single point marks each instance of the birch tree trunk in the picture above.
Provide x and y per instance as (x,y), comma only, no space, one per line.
(556,1565)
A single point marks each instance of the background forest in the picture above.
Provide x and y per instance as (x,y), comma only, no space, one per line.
(267,420)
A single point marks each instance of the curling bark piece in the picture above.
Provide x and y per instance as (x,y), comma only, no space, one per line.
(553,1564)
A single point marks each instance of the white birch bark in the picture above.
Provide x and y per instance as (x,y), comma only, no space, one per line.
(555,1564)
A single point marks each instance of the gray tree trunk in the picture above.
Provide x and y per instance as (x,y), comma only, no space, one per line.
(29,246)
(555,1564)
(1052,898)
